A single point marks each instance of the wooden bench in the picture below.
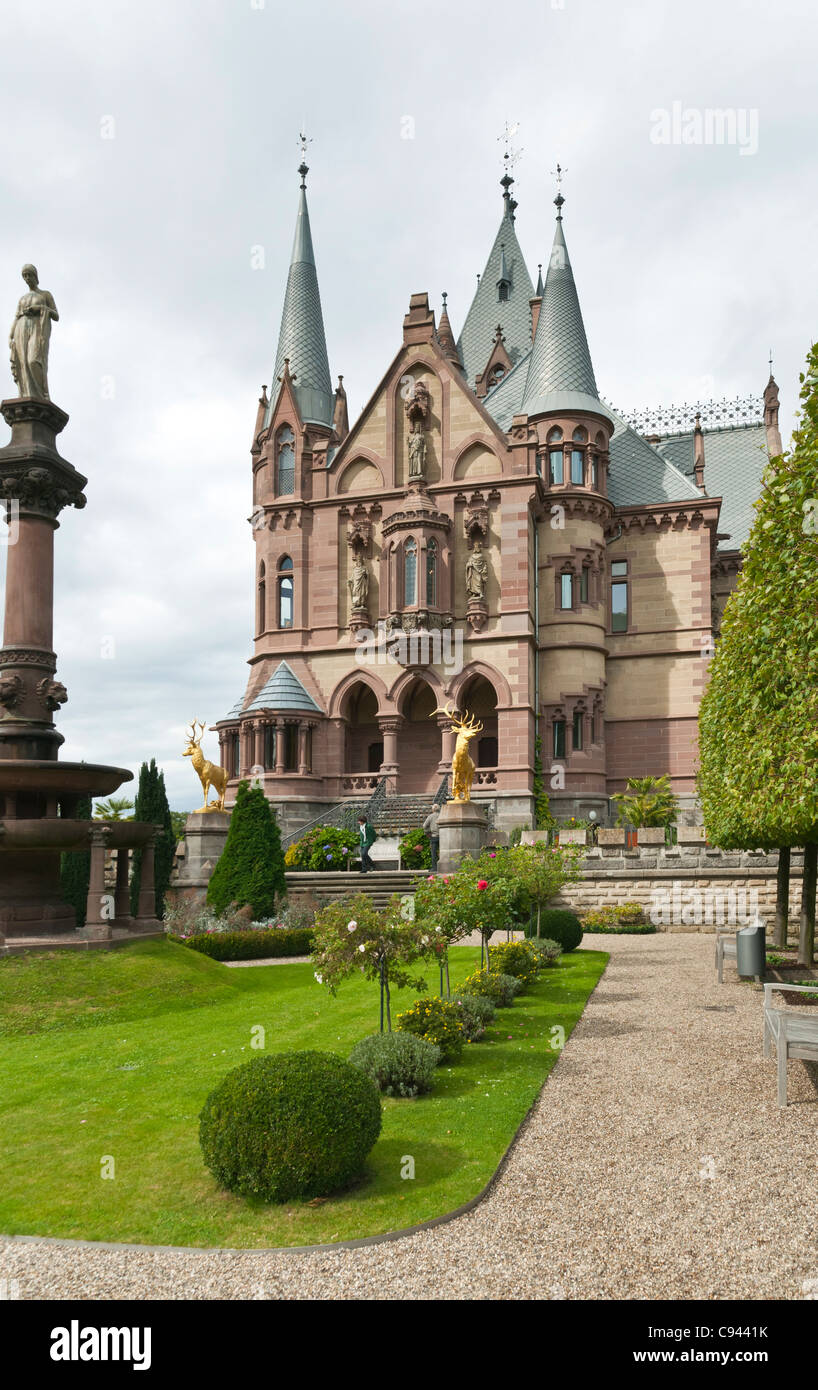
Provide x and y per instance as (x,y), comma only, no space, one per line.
(794,1035)
(725,946)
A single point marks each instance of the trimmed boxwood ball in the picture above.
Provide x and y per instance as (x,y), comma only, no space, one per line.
(299,1124)
(562,926)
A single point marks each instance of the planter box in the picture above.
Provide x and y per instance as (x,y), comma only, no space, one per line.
(571,835)
(615,836)
(690,834)
(651,835)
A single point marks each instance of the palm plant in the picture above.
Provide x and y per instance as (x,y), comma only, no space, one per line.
(113,809)
(647,801)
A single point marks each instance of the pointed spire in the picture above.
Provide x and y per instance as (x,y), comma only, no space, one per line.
(560,361)
(538,291)
(698,453)
(771,408)
(505,278)
(301,338)
(445,336)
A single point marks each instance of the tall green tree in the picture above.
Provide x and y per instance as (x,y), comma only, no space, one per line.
(75,869)
(151,805)
(250,870)
(758,722)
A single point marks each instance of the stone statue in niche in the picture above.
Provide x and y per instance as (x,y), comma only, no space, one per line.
(417,413)
(359,584)
(477,573)
(30,336)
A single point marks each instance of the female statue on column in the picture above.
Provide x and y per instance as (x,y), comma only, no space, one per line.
(30,336)
(359,584)
(477,573)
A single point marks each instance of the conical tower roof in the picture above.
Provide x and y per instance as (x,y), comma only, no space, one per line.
(301,337)
(560,371)
(505,263)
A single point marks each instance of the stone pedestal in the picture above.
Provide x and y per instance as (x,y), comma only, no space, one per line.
(205,837)
(477,614)
(463,828)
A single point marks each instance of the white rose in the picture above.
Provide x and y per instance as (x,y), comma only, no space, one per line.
(362,946)
(319,978)
(351,926)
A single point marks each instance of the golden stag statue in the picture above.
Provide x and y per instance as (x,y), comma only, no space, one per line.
(210,774)
(466,727)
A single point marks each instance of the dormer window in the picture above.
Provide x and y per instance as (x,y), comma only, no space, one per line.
(502,291)
(496,376)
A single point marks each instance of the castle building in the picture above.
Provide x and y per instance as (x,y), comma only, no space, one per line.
(490,536)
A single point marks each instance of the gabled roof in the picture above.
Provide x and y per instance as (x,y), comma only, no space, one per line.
(487,309)
(560,361)
(735,458)
(301,337)
(284,691)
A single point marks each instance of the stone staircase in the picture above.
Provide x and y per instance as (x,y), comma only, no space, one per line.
(379,885)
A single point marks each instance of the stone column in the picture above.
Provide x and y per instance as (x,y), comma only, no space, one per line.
(279,748)
(245,748)
(447,742)
(259,744)
(463,827)
(97,918)
(390,726)
(146,908)
(303,738)
(122,898)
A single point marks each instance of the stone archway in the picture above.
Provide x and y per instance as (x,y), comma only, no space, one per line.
(363,749)
(478,696)
(418,740)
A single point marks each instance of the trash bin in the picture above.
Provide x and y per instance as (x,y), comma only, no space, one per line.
(751,951)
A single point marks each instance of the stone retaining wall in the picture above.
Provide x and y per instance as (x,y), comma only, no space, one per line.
(684,888)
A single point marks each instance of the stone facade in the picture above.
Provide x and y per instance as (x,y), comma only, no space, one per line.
(590,620)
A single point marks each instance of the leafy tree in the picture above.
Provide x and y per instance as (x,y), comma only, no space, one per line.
(178,820)
(352,934)
(250,870)
(455,905)
(113,809)
(151,806)
(542,870)
(75,869)
(758,721)
(646,801)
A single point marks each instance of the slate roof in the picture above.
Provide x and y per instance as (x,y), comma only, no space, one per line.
(487,310)
(640,474)
(735,458)
(559,360)
(284,691)
(301,336)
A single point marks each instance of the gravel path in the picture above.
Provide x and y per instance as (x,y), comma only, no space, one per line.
(656,1164)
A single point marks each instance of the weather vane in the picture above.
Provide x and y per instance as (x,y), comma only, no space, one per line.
(558,173)
(511,155)
(304,141)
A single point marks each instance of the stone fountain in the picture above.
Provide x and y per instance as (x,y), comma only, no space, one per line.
(39,795)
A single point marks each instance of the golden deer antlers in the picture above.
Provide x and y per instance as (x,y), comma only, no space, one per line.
(465,723)
(192,734)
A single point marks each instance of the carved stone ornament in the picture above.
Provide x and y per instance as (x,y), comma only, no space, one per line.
(11,688)
(476,520)
(40,490)
(359,533)
(52,693)
(417,408)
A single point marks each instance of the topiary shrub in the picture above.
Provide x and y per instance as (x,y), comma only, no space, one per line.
(515,958)
(562,926)
(478,1012)
(500,989)
(299,1124)
(437,1021)
(400,1064)
(250,871)
(628,918)
(547,952)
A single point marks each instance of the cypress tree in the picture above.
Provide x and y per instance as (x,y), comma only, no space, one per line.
(75,868)
(151,805)
(250,870)
(758,721)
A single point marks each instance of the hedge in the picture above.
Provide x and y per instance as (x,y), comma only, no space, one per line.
(251,945)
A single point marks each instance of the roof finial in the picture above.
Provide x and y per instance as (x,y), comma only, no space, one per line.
(771,363)
(509,160)
(559,200)
(445,297)
(304,168)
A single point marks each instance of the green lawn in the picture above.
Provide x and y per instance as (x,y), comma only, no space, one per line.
(112,1054)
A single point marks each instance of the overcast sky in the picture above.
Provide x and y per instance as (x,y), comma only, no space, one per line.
(149,147)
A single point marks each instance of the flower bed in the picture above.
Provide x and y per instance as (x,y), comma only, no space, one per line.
(255,944)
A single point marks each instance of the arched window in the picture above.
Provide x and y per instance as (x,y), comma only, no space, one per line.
(262,600)
(410,572)
(285,460)
(285,592)
(431,573)
(580,435)
(555,435)
(495,376)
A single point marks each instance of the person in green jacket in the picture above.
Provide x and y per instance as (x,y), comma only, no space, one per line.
(367,838)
